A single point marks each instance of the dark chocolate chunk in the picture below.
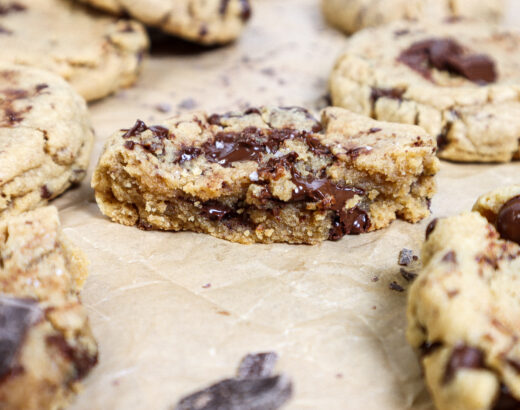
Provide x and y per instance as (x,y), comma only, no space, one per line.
(395,286)
(508,220)
(16,316)
(216,211)
(187,154)
(408,276)
(463,357)
(246,10)
(392,93)
(263,393)
(448,55)
(138,128)
(129,145)
(505,400)
(45,193)
(405,257)
(430,228)
(257,365)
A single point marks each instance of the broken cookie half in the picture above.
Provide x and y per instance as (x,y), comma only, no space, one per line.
(464,307)
(267,175)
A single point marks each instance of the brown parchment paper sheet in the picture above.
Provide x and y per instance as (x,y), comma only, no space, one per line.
(163,333)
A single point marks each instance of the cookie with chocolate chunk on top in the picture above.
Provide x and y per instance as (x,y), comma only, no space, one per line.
(464,307)
(458,79)
(353,15)
(206,22)
(267,175)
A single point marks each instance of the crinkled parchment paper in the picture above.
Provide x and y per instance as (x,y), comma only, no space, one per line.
(174,312)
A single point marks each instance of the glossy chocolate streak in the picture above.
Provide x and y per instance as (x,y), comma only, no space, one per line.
(466,357)
(251,143)
(140,127)
(508,220)
(16,317)
(448,55)
(329,195)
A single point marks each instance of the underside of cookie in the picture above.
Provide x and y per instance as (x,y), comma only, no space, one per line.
(458,80)
(45,138)
(464,308)
(267,175)
(201,21)
(47,345)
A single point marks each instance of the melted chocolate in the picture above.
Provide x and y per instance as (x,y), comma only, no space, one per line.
(139,127)
(16,317)
(508,220)
(448,55)
(463,357)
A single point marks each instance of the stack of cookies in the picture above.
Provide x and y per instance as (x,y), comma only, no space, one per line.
(417,81)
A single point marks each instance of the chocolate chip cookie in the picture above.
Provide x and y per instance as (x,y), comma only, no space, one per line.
(267,175)
(97,55)
(353,15)
(464,308)
(202,21)
(45,138)
(46,343)
(460,81)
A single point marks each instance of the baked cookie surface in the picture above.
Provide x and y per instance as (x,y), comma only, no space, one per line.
(267,175)
(459,80)
(47,344)
(464,308)
(45,138)
(202,21)
(97,55)
(353,15)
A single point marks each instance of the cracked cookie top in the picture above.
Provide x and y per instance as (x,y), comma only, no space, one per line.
(41,116)
(444,65)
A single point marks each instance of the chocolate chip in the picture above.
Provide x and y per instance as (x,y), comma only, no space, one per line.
(431,227)
(505,400)
(448,55)
(45,193)
(16,317)
(187,154)
(395,286)
(405,257)
(216,211)
(463,357)
(265,393)
(373,130)
(246,10)
(508,220)
(392,93)
(138,128)
(129,145)
(40,87)
(257,365)
(408,276)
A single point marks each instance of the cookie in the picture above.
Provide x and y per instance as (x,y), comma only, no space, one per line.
(267,175)
(45,138)
(458,80)
(354,15)
(47,344)
(464,308)
(203,21)
(97,55)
